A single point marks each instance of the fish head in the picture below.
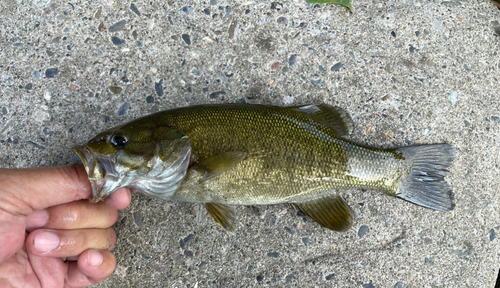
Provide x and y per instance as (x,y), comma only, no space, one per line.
(121,156)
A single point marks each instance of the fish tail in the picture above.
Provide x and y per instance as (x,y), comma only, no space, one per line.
(425,184)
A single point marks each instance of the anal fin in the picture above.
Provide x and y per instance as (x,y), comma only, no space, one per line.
(224,215)
(330,212)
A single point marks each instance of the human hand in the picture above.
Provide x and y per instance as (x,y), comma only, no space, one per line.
(54,199)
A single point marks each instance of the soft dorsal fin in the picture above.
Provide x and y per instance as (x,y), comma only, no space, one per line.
(224,215)
(218,164)
(331,212)
(334,117)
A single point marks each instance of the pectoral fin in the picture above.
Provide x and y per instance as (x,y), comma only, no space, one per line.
(331,212)
(224,215)
(334,117)
(218,164)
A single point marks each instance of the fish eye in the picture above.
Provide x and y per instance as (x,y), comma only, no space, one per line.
(119,140)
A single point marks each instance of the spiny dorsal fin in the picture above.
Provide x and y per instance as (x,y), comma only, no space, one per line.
(224,215)
(334,117)
(331,212)
(218,164)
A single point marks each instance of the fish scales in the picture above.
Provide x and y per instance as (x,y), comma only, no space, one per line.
(290,157)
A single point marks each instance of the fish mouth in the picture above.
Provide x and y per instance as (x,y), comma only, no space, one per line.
(97,171)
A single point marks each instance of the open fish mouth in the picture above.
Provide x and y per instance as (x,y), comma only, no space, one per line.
(101,174)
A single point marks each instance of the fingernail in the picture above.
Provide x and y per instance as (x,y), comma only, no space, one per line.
(46,241)
(37,219)
(94,258)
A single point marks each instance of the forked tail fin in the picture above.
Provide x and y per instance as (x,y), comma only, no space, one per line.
(425,184)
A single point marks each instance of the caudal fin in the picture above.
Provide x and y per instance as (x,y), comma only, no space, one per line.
(425,184)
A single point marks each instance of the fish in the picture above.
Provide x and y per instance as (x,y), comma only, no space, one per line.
(226,155)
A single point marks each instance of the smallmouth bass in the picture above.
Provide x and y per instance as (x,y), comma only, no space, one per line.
(232,154)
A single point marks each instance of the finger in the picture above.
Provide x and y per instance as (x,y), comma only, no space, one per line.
(39,188)
(74,215)
(92,267)
(69,243)
(120,199)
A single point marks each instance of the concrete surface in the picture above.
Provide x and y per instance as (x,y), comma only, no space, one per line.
(412,71)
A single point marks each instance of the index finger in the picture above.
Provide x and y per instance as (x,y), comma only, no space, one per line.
(40,188)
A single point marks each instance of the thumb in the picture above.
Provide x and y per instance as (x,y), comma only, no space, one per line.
(39,188)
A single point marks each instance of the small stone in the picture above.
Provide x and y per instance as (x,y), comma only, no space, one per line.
(417,33)
(362,231)
(159,87)
(186,9)
(146,256)
(47,96)
(117,41)
(18,45)
(259,278)
(186,39)
(337,67)
(316,82)
(306,240)
(407,141)
(393,34)
(101,27)
(228,10)
(120,25)
(36,74)
(123,109)
(115,89)
(369,285)
(188,253)
(303,25)
(183,242)
(206,11)
(282,21)
(150,99)
(232,28)
(485,203)
(28,86)
(35,145)
(48,131)
(213,2)
(288,278)
(330,277)
(413,49)
(398,285)
(273,254)
(292,60)
(429,261)
(138,219)
(275,66)
(492,234)
(214,95)
(56,40)
(51,72)
(134,9)
(49,53)
(69,47)
(250,268)
(495,118)
(289,230)
(5,111)
(196,73)
(453,97)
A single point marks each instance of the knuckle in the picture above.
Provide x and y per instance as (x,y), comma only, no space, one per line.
(73,178)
